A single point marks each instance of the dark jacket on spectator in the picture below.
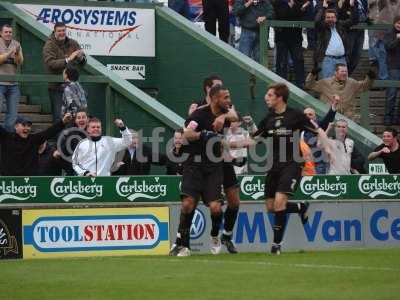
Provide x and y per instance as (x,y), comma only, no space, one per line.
(248,15)
(54,55)
(19,156)
(284,12)
(133,166)
(323,32)
(392,45)
(47,165)
(174,163)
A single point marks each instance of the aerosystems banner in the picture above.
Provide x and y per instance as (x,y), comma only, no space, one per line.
(95,232)
(331,225)
(10,233)
(133,189)
(102,30)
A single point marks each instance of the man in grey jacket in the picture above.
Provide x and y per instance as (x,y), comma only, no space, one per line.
(251,14)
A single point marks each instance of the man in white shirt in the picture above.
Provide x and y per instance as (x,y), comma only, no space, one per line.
(95,155)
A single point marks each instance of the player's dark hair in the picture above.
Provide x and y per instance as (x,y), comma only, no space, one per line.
(337,66)
(5,25)
(72,73)
(208,81)
(280,90)
(392,130)
(58,24)
(216,89)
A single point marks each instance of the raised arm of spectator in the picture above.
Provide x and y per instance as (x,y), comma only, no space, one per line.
(120,144)
(366,84)
(311,82)
(40,137)
(329,118)
(319,16)
(240,6)
(19,57)
(354,15)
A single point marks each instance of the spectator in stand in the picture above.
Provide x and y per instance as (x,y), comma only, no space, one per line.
(10,58)
(214,10)
(208,83)
(137,158)
(74,96)
(95,154)
(392,45)
(59,51)
(343,86)
(356,36)
(251,14)
(49,161)
(237,135)
(311,139)
(389,151)
(289,40)
(70,138)
(332,42)
(20,149)
(175,156)
(309,15)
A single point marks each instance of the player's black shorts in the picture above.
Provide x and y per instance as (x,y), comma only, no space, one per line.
(283,178)
(230,178)
(202,181)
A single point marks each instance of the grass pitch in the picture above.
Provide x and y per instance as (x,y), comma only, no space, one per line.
(345,274)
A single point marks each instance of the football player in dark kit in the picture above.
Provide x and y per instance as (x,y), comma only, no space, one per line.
(283,125)
(203,171)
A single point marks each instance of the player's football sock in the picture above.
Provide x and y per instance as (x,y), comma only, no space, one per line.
(184,228)
(216,220)
(293,208)
(279,226)
(230,216)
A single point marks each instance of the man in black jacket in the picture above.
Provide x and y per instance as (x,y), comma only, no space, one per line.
(289,40)
(20,149)
(392,45)
(332,38)
(137,159)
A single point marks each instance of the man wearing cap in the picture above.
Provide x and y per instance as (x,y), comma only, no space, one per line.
(20,149)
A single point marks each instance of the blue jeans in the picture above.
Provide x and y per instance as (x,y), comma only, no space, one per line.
(249,43)
(11,95)
(377,52)
(391,93)
(328,66)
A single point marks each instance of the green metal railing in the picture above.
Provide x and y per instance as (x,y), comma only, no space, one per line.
(364,97)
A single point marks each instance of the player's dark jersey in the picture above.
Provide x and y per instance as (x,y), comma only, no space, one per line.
(284,129)
(202,119)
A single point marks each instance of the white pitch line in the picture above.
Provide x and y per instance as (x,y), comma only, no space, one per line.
(274,264)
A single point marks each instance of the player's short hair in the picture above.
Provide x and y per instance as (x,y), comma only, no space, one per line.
(208,81)
(5,26)
(216,89)
(94,120)
(58,24)
(337,66)
(72,73)
(280,90)
(392,130)
(342,121)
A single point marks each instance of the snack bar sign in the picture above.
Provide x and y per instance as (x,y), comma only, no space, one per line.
(102,30)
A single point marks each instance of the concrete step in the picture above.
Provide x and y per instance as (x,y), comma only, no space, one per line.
(25,108)
(35,118)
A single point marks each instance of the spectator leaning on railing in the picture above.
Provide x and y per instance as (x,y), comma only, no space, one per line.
(58,51)
(19,150)
(343,86)
(332,38)
(95,155)
(251,14)
(392,44)
(389,151)
(10,58)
